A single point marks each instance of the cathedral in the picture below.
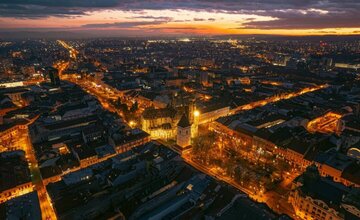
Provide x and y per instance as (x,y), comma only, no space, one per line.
(175,122)
(183,136)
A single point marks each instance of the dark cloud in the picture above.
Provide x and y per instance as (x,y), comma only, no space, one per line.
(309,20)
(130,24)
(212,5)
(64,3)
(146,20)
(211,19)
(186,20)
(45,8)
(178,28)
(31,11)
(289,13)
(153,17)
(199,19)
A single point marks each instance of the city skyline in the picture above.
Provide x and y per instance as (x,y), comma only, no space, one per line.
(179,109)
(173,18)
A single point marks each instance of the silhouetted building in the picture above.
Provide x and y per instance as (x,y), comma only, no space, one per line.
(53,73)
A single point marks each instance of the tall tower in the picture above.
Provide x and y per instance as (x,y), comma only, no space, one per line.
(53,73)
(183,138)
(191,110)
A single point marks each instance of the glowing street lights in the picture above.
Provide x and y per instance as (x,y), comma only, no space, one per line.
(196,123)
(196,113)
(132,124)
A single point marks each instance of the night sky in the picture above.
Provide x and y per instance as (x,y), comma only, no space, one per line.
(183,17)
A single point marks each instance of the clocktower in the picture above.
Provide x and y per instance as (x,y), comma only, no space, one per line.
(183,138)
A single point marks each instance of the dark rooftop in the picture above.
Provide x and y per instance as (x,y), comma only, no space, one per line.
(184,122)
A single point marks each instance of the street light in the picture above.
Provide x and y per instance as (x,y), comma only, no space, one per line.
(132,123)
(196,113)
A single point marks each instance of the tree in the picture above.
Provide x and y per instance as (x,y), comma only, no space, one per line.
(203,143)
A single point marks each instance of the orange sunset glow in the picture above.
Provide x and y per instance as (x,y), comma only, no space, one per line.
(182,18)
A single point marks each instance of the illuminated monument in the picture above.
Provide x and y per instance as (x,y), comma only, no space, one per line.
(183,137)
(163,123)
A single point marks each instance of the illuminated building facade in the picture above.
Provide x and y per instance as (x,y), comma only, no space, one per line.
(340,167)
(160,123)
(54,76)
(314,197)
(328,123)
(163,123)
(183,137)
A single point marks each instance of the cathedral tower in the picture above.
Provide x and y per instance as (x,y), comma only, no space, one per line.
(183,138)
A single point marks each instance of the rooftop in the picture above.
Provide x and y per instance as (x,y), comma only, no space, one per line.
(184,122)
(23,207)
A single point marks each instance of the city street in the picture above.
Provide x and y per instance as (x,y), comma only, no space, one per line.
(47,210)
(273,199)
(241,110)
(276,198)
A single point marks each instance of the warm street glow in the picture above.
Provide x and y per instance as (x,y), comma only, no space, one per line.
(102,91)
(178,21)
(273,83)
(196,113)
(72,51)
(132,123)
(278,98)
(179,109)
(328,123)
